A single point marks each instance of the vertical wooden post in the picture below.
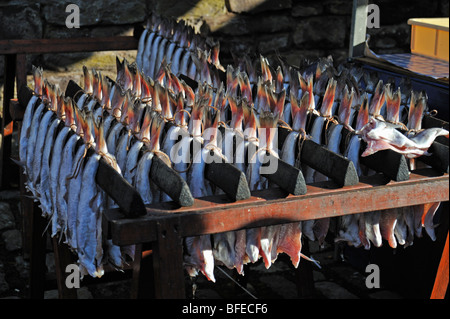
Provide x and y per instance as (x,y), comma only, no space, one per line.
(63,257)
(168,261)
(358,28)
(38,239)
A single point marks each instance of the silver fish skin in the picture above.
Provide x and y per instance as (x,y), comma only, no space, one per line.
(73,198)
(352,152)
(196,179)
(141,48)
(170,139)
(180,154)
(176,61)
(54,175)
(334,138)
(113,137)
(153,56)
(35,124)
(25,130)
(160,55)
(147,51)
(132,161)
(65,171)
(122,150)
(142,178)
(44,185)
(170,50)
(89,218)
(40,141)
(288,150)
(254,178)
(185,62)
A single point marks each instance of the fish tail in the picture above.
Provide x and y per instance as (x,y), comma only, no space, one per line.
(345,106)
(279,80)
(363,114)
(328,98)
(87,77)
(393,100)
(37,76)
(246,89)
(156,128)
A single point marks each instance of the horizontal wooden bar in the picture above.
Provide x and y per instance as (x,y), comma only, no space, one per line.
(26,46)
(217,214)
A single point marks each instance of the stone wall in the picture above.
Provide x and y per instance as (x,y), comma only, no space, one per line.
(292,27)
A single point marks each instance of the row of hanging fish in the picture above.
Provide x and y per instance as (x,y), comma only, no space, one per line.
(187,52)
(346,97)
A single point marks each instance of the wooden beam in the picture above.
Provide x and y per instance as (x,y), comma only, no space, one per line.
(217,214)
(39,46)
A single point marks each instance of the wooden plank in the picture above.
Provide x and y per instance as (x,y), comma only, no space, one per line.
(27,46)
(118,188)
(216,214)
(228,178)
(335,166)
(287,177)
(438,158)
(441,282)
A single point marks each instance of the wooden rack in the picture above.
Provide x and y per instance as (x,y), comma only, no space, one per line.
(164,225)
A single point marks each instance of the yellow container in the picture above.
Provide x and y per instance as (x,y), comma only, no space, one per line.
(429,37)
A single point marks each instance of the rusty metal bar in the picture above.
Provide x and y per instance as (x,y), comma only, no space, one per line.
(217,214)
